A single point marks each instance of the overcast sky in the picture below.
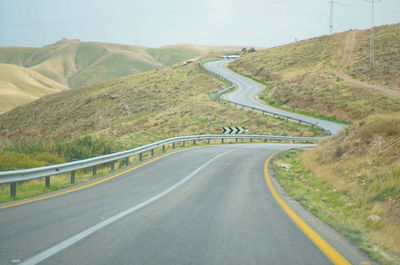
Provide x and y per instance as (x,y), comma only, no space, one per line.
(161,22)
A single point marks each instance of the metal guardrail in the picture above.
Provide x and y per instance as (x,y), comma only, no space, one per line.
(262,111)
(15,176)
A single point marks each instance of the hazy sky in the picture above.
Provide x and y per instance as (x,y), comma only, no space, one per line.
(160,22)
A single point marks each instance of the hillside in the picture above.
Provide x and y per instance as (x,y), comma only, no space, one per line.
(19,85)
(363,163)
(71,63)
(331,75)
(75,64)
(138,109)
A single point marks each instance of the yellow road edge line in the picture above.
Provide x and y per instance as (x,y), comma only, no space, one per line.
(94,183)
(331,253)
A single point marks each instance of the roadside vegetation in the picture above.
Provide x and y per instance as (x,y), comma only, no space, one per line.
(352,181)
(28,152)
(301,78)
(120,114)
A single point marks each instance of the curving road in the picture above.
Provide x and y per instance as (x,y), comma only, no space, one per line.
(248,90)
(203,206)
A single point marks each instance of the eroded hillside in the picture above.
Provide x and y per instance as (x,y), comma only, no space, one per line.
(306,76)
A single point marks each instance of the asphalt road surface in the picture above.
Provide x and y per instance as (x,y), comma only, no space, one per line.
(207,205)
(248,89)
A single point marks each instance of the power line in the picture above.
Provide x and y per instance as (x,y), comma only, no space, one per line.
(331,16)
(372,33)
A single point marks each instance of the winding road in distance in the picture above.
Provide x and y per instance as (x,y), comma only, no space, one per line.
(205,206)
(248,90)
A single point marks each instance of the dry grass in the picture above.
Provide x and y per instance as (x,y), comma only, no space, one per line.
(302,78)
(364,162)
(19,85)
(71,63)
(386,69)
(76,64)
(139,109)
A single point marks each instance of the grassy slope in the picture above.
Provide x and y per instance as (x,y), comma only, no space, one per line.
(138,109)
(19,85)
(356,174)
(76,64)
(386,70)
(302,78)
(363,162)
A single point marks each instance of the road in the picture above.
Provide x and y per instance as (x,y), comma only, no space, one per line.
(208,205)
(248,90)
(202,206)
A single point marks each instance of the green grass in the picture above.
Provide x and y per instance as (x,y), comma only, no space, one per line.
(37,187)
(87,54)
(170,56)
(28,152)
(337,207)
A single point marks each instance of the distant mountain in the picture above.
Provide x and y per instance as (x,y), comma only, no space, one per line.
(71,64)
(19,85)
(75,64)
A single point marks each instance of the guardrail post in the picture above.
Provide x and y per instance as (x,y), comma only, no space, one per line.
(94,171)
(251,140)
(222,140)
(140,157)
(112,165)
(183,143)
(163,148)
(173,145)
(73,174)
(13,189)
(208,140)
(194,142)
(47,181)
(127,161)
(152,152)
(265,140)
(236,139)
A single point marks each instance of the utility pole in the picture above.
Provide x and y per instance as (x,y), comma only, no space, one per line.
(331,16)
(372,33)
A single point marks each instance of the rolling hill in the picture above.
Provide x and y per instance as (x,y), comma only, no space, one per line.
(331,75)
(75,64)
(19,85)
(71,63)
(138,109)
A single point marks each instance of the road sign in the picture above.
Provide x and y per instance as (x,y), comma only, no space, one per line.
(233,130)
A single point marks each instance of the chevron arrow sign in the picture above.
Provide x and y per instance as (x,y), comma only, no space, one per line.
(233,130)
